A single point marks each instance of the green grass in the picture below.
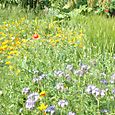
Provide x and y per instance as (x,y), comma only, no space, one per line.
(97,46)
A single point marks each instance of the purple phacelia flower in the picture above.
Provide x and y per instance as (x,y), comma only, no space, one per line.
(67,76)
(113,77)
(26,90)
(60,87)
(33,97)
(43,76)
(50,109)
(102,93)
(112,81)
(36,80)
(30,104)
(96,91)
(35,71)
(62,103)
(59,73)
(104,81)
(113,91)
(79,73)
(90,88)
(84,68)
(104,111)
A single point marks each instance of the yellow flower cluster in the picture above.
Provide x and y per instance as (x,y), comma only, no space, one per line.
(10,39)
(61,36)
(12,31)
(9,48)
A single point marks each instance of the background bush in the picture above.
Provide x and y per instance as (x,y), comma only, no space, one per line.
(25,3)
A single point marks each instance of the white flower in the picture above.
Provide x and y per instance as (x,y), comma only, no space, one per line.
(62,103)
(102,93)
(60,87)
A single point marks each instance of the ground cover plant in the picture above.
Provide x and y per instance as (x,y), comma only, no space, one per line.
(53,66)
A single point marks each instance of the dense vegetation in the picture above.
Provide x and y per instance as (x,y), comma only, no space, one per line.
(58,60)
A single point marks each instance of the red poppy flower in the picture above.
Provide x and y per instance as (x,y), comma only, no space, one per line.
(35,36)
(106,10)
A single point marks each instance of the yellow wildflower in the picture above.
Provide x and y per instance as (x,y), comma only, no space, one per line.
(17,72)
(1,32)
(42,107)
(5,42)
(57,41)
(11,35)
(8,63)
(11,48)
(43,93)
(18,43)
(12,52)
(3,47)
(16,39)
(24,41)
(9,57)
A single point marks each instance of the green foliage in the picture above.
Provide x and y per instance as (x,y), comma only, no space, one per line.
(112,5)
(80,3)
(31,4)
(58,4)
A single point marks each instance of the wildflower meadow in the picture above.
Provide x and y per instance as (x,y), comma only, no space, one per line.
(55,65)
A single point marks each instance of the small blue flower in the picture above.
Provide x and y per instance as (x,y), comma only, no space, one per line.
(50,109)
(104,81)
